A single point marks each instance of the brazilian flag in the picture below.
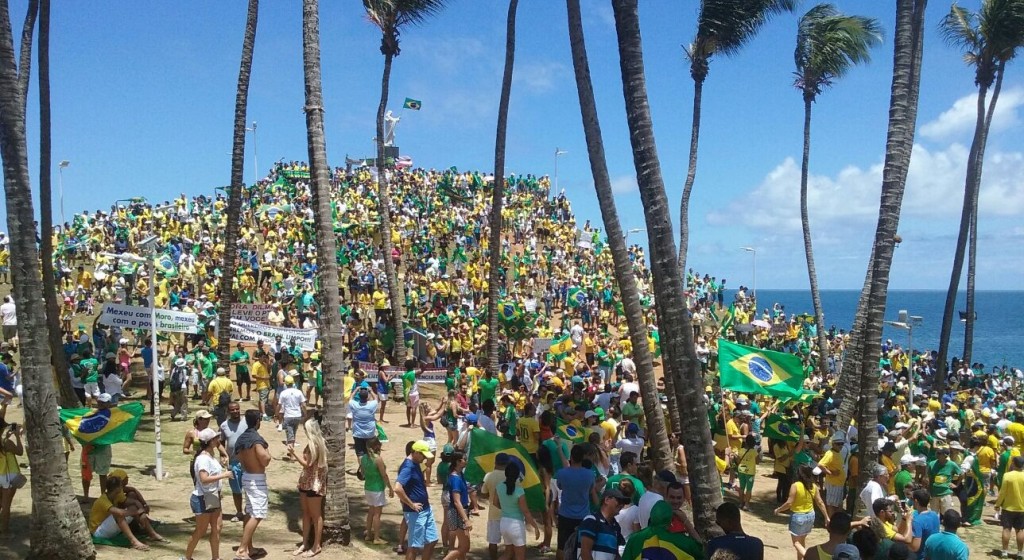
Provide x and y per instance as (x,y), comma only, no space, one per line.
(414,104)
(777,426)
(484,448)
(105,426)
(165,265)
(509,312)
(577,297)
(752,370)
(570,432)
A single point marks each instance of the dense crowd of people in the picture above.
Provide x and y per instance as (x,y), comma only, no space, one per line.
(945,452)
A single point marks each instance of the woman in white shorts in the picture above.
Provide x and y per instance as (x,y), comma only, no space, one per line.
(515,515)
(375,480)
(11,478)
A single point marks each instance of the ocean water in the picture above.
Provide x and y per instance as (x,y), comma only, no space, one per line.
(998,331)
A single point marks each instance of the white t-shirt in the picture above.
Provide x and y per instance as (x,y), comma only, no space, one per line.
(9,315)
(626,518)
(204,462)
(634,445)
(644,506)
(112,384)
(626,389)
(291,400)
(869,494)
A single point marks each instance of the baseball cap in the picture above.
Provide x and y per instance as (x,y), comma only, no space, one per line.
(665,475)
(104,397)
(839,437)
(846,551)
(590,414)
(207,434)
(289,380)
(908,460)
(614,493)
(471,418)
(222,371)
(110,355)
(632,428)
(599,412)
(422,447)
(203,413)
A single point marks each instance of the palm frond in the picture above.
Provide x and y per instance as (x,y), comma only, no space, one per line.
(829,43)
(960,29)
(1001,24)
(725,26)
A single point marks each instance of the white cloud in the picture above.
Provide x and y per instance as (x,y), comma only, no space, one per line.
(625,184)
(962,116)
(539,77)
(935,186)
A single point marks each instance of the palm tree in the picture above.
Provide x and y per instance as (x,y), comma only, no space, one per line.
(57,527)
(661,453)
(336,512)
(390,16)
(676,335)
(989,39)
(828,44)
(908,47)
(723,27)
(234,210)
(65,394)
(498,194)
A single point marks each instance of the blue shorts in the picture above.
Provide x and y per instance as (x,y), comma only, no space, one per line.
(422,528)
(800,524)
(236,483)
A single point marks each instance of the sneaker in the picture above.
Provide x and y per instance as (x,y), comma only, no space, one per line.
(266,418)
(280,428)
(1004,554)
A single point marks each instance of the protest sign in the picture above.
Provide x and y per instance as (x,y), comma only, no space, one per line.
(249,332)
(251,312)
(135,317)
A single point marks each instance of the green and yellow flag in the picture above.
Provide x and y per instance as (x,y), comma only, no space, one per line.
(484,448)
(570,432)
(576,297)
(414,104)
(777,426)
(752,370)
(104,426)
(561,345)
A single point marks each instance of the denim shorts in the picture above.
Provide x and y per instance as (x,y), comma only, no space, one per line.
(236,483)
(800,524)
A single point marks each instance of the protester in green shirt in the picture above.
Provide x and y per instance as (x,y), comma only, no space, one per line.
(488,387)
(241,360)
(941,473)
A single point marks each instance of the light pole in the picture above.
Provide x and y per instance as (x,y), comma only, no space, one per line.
(907,322)
(633,230)
(149,244)
(754,286)
(255,160)
(60,187)
(558,152)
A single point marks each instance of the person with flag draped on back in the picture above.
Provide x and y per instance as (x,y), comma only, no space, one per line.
(657,542)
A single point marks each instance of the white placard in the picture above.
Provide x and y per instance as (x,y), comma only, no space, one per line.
(249,332)
(135,317)
(252,312)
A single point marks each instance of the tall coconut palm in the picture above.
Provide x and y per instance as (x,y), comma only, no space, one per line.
(661,454)
(390,16)
(989,38)
(828,44)
(234,210)
(908,48)
(336,512)
(680,357)
(65,394)
(723,27)
(498,194)
(57,528)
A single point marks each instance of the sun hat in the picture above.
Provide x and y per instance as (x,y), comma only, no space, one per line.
(104,397)
(180,362)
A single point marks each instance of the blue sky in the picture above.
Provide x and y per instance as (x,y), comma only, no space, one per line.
(143,97)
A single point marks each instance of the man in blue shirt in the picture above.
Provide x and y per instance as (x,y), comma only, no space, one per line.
(411,490)
(925,524)
(600,535)
(734,540)
(945,545)
(576,491)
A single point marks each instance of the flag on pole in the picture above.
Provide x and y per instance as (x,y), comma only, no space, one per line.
(105,426)
(777,426)
(413,104)
(753,370)
(577,297)
(484,448)
(729,320)
(570,433)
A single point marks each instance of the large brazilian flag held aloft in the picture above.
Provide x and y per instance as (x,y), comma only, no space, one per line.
(778,427)
(485,446)
(105,426)
(753,370)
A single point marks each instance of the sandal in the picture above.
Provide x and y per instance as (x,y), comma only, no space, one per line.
(310,553)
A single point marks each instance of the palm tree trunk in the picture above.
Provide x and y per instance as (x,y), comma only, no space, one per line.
(909,39)
(970,202)
(395,290)
(812,274)
(976,187)
(65,393)
(691,175)
(336,512)
(228,297)
(57,527)
(673,318)
(25,55)
(498,194)
(848,387)
(661,452)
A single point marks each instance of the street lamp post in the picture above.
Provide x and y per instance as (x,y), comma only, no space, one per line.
(907,322)
(754,286)
(60,184)
(558,152)
(158,469)
(633,230)
(255,160)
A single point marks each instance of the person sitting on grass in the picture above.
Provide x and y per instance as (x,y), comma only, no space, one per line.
(107,521)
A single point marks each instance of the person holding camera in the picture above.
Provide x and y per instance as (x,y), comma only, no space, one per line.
(11,479)
(205,498)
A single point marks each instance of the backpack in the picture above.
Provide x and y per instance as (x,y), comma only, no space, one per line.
(178,377)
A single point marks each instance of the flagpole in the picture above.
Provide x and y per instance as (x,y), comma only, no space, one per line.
(157,438)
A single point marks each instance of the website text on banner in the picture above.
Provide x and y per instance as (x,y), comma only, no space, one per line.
(134,317)
(249,332)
